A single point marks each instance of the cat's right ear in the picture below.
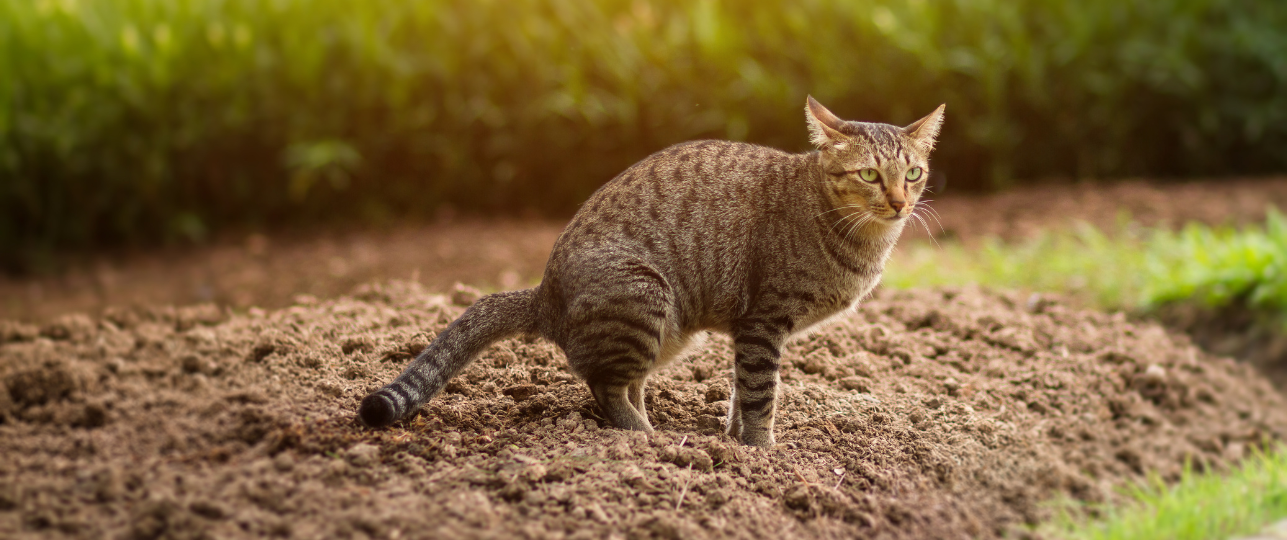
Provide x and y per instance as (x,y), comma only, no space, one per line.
(925,131)
(824,127)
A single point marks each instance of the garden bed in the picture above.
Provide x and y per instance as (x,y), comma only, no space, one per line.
(928,413)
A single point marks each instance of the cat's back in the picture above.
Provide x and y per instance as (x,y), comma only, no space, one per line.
(697,180)
(702,166)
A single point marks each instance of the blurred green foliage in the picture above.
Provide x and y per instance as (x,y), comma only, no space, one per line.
(1131,268)
(1220,267)
(129,120)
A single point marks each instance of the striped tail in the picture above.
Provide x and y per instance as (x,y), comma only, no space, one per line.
(493,318)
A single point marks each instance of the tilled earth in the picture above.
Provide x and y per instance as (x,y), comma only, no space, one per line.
(952,413)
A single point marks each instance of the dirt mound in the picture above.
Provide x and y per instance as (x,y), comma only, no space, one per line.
(942,414)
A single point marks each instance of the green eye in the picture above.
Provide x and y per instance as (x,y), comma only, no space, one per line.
(869,175)
(914,174)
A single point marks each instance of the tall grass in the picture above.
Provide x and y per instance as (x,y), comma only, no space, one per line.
(125,120)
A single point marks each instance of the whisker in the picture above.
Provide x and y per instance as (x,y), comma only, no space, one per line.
(925,224)
(866,218)
(927,231)
(839,221)
(859,218)
(925,203)
(929,210)
(842,218)
(835,209)
(934,214)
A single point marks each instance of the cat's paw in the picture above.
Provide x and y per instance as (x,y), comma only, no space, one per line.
(758,438)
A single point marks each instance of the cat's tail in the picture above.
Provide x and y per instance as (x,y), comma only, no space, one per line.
(492,318)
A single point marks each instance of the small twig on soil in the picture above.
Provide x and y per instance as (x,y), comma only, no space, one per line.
(684,491)
(682,441)
(796,470)
(839,480)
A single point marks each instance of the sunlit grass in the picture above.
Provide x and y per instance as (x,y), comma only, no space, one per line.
(1084,263)
(1198,507)
(1129,268)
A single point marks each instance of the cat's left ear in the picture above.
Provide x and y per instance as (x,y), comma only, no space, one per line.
(925,131)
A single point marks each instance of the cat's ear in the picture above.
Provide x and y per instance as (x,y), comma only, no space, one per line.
(925,131)
(824,127)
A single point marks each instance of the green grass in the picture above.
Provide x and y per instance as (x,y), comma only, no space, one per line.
(1218,267)
(1084,262)
(1131,268)
(1198,507)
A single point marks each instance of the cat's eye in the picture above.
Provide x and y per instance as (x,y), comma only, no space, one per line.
(869,175)
(914,174)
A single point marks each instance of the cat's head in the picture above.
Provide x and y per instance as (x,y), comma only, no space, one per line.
(878,170)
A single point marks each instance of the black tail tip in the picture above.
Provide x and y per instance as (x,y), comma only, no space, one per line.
(377,411)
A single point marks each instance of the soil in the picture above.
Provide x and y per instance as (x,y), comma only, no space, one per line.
(1252,336)
(144,395)
(269,270)
(952,413)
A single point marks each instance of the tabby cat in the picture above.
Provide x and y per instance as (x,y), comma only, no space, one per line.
(706,235)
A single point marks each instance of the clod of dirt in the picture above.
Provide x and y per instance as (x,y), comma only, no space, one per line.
(272,341)
(363,454)
(464,295)
(49,382)
(12,331)
(926,414)
(76,326)
(687,457)
(521,392)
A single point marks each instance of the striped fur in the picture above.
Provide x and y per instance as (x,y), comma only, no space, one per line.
(706,235)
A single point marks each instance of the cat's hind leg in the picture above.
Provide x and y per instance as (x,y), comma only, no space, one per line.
(636,396)
(733,426)
(616,369)
(613,334)
(617,407)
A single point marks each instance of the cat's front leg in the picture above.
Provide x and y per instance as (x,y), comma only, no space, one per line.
(755,386)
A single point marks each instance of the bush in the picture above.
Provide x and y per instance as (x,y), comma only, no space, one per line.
(139,120)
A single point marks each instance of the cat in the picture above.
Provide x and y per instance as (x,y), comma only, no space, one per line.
(707,235)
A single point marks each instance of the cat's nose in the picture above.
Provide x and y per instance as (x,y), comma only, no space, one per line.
(897,205)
